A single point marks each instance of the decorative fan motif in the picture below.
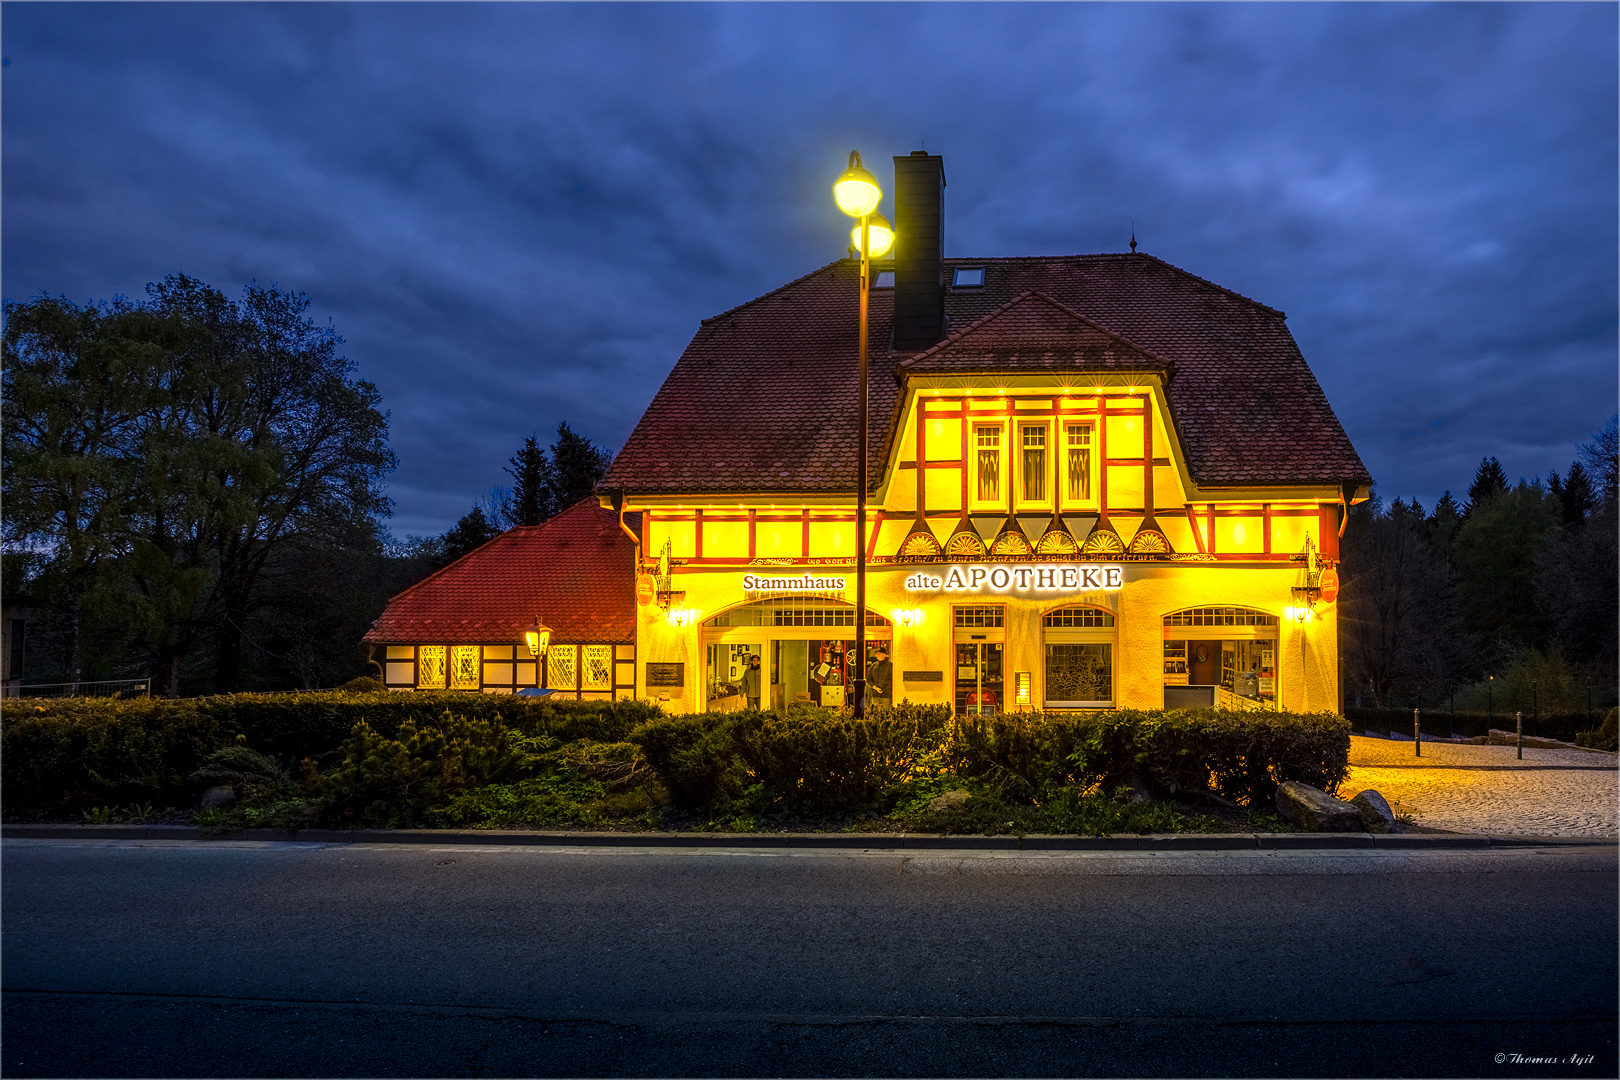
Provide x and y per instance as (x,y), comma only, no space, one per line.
(1056,542)
(964,545)
(1103,541)
(1150,542)
(920,546)
(1010,545)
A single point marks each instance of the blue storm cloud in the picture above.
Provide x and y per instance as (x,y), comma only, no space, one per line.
(517,214)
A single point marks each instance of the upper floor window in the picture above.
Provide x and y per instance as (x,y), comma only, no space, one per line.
(1078,437)
(968,277)
(883,279)
(1034,463)
(987,438)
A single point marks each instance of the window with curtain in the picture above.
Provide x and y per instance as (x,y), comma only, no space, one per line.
(988,440)
(1035,462)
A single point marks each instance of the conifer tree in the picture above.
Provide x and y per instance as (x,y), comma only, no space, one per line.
(531,501)
(1489,481)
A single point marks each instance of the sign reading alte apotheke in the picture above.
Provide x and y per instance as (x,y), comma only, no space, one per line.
(1050,578)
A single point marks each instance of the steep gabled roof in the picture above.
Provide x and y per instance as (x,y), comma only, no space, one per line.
(764,397)
(1033,333)
(574,572)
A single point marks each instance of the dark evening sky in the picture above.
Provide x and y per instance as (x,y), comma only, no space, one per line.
(517,214)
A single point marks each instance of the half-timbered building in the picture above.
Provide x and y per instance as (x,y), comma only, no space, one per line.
(1095,481)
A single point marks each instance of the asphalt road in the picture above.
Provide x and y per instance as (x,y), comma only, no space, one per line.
(126,958)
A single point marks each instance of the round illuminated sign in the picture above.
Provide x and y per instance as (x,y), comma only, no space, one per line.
(1329,584)
(646,589)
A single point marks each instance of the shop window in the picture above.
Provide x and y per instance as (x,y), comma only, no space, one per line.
(464,667)
(1077,439)
(560,673)
(1079,643)
(597,661)
(987,440)
(1033,437)
(1216,655)
(430,667)
(1079,674)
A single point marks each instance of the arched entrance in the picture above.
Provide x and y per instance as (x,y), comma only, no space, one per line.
(805,648)
(1220,656)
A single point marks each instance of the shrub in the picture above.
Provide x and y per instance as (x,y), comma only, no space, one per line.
(253,776)
(64,756)
(386,781)
(818,759)
(1606,737)
(696,756)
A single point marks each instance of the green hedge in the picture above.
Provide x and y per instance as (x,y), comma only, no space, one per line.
(61,757)
(68,754)
(820,761)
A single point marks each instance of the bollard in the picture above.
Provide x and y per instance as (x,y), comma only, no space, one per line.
(1417,731)
(1518,720)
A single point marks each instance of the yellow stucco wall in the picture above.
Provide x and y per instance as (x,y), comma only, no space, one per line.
(1307,659)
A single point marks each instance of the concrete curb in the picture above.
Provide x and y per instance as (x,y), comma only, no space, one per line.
(860,841)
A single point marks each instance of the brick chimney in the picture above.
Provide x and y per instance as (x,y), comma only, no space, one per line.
(919,251)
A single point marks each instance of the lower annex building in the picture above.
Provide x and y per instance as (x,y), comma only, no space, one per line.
(1095,481)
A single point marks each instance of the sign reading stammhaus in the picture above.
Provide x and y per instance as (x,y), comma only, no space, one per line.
(1097,480)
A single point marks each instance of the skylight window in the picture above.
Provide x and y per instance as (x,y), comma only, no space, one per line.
(968,277)
(883,279)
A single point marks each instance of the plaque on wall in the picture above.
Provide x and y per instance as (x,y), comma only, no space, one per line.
(922,676)
(666,674)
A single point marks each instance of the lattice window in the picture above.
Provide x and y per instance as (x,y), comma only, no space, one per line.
(430,667)
(1075,617)
(989,445)
(979,616)
(598,665)
(1220,616)
(1079,439)
(1035,462)
(560,671)
(464,667)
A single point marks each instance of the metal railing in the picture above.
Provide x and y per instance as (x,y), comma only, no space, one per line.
(104,688)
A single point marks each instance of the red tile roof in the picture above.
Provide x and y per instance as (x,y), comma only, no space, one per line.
(763,400)
(1033,333)
(574,572)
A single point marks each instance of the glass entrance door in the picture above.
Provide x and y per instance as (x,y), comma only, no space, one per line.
(978,677)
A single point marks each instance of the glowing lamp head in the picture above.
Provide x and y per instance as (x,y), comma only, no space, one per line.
(878,229)
(856,191)
(537,638)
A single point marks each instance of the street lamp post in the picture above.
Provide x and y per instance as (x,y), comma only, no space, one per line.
(857,194)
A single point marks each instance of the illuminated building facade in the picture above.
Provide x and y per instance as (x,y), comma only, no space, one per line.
(1096,481)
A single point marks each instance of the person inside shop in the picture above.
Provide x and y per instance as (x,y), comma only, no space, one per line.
(750,681)
(880,677)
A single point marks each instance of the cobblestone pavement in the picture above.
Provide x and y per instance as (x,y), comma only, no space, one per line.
(1487,789)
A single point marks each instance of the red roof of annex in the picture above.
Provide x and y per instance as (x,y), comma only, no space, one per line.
(574,572)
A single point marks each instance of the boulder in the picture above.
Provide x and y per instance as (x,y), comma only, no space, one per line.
(951,800)
(1316,811)
(218,796)
(1376,816)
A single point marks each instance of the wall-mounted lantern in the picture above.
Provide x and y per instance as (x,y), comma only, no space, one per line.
(537,638)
